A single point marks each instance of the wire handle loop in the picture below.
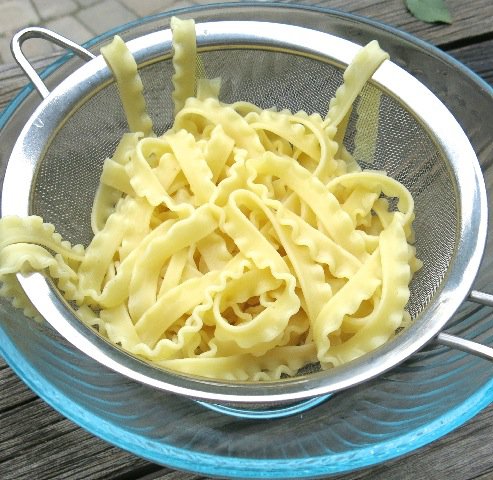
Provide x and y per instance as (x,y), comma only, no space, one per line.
(39,32)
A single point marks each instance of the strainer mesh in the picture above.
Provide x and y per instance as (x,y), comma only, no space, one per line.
(69,172)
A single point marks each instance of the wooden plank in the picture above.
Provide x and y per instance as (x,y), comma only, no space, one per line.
(466,20)
(465,454)
(12,79)
(478,57)
(11,83)
(14,392)
(37,442)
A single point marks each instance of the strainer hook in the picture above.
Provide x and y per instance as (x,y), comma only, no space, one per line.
(482,298)
(463,344)
(39,32)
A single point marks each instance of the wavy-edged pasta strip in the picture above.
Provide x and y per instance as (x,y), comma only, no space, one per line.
(214,251)
(193,165)
(184,61)
(253,245)
(114,182)
(240,175)
(289,128)
(124,68)
(346,301)
(11,289)
(116,176)
(303,132)
(253,284)
(26,258)
(142,178)
(188,336)
(101,251)
(358,72)
(359,203)
(389,312)
(29,245)
(143,286)
(171,306)
(389,186)
(174,271)
(286,360)
(233,124)
(323,249)
(310,276)
(325,206)
(34,230)
(169,174)
(218,150)
(115,290)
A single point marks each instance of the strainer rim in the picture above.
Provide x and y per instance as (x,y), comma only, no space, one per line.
(242,397)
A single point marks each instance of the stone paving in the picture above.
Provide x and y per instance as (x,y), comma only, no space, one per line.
(79,20)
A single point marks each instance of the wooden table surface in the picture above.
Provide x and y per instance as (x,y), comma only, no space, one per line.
(36,442)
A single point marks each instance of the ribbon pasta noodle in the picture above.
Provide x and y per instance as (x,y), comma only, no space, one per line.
(242,244)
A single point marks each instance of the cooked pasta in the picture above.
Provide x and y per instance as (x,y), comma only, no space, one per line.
(242,244)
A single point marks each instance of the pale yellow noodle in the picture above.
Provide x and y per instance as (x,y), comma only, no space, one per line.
(124,68)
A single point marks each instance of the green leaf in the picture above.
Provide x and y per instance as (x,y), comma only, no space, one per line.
(430,11)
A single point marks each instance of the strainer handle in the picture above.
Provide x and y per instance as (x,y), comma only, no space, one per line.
(39,32)
(469,346)
(481,297)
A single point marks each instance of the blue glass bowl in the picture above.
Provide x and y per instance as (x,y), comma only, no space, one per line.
(423,399)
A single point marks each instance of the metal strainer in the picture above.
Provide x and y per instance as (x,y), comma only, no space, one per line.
(55,166)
